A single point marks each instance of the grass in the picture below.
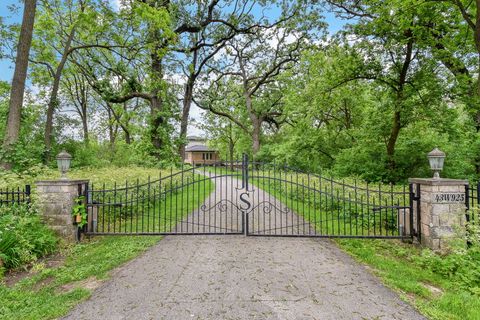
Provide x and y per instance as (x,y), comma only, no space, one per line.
(156,211)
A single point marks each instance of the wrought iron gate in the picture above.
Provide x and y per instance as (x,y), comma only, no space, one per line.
(251,198)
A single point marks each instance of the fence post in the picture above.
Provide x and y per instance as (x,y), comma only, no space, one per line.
(56,199)
(441,211)
(28,193)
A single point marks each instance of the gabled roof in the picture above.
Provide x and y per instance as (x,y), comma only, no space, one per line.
(199,148)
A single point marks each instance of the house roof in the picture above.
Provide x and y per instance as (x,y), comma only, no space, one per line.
(199,148)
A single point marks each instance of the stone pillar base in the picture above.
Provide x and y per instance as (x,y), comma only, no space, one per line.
(442,211)
(55,202)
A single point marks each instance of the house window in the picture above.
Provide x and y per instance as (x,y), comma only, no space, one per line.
(207,156)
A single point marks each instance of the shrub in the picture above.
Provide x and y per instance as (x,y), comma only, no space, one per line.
(23,237)
(461,266)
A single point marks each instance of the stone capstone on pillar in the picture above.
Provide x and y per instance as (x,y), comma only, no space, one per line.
(56,199)
(442,211)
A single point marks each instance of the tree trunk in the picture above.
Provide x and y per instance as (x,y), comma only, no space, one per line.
(128,138)
(53,101)
(231,149)
(86,138)
(476,102)
(12,131)
(392,140)
(256,132)
(125,127)
(112,134)
(155,123)
(156,103)
(187,103)
(256,121)
(476,35)
(396,125)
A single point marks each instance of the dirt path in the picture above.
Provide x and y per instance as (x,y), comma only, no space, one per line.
(238,277)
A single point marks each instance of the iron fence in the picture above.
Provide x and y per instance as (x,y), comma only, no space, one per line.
(252,198)
(181,202)
(307,204)
(472,201)
(11,196)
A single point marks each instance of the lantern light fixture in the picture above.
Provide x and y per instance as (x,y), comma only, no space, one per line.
(436,158)
(64,160)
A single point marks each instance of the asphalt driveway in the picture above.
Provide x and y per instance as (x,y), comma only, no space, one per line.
(237,277)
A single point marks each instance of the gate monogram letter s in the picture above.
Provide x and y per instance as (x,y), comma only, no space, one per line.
(244,198)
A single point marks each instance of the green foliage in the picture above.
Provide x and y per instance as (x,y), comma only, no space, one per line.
(461,265)
(121,154)
(79,209)
(27,151)
(23,237)
(342,122)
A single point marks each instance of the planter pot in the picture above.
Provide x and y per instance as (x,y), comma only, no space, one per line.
(78,218)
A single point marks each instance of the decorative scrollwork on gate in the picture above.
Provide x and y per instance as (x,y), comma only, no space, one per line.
(221,206)
(267,207)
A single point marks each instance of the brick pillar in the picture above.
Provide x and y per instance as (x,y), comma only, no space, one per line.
(442,211)
(55,202)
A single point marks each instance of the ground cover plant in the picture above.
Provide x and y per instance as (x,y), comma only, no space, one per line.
(23,237)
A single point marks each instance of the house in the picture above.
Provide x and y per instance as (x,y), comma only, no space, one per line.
(197,152)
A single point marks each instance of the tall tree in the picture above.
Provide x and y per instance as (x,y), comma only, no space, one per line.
(132,66)
(252,64)
(79,94)
(19,78)
(65,27)
(204,44)
(396,59)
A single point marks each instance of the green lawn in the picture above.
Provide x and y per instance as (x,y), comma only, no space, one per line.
(157,210)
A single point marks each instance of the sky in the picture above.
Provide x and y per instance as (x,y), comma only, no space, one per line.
(7,66)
